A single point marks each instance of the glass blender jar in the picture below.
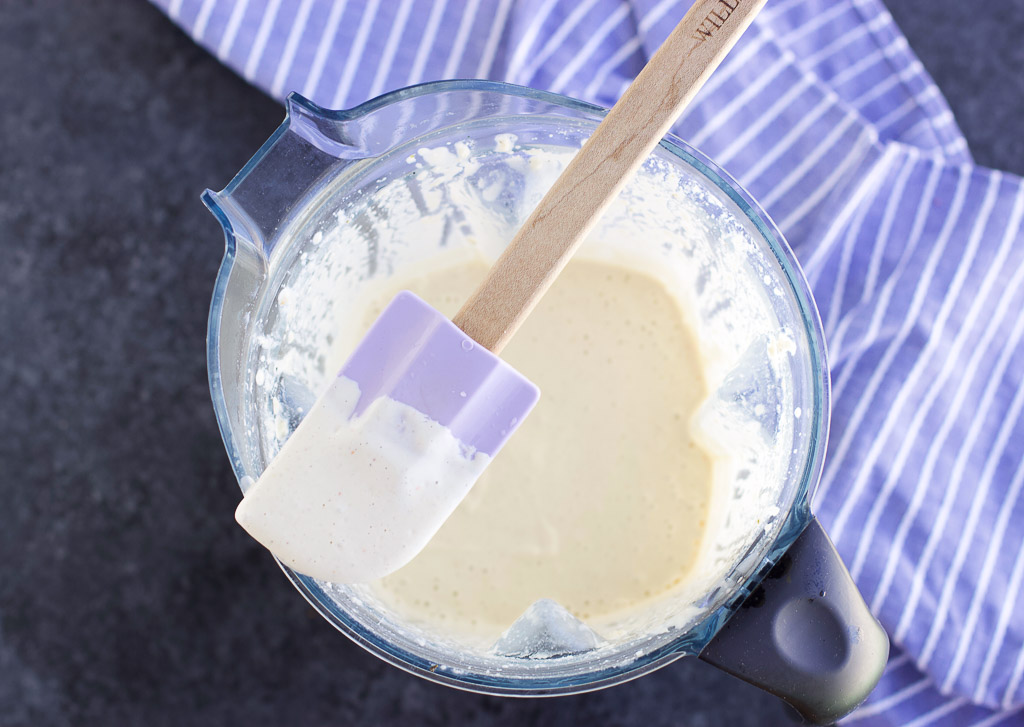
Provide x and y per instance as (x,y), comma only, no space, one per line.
(319,210)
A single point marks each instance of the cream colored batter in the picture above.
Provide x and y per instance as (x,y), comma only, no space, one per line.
(599,500)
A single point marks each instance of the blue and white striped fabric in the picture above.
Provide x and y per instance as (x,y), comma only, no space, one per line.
(916,258)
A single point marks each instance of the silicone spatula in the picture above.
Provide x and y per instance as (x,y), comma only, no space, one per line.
(387,453)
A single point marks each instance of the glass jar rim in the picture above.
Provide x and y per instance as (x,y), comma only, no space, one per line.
(790,526)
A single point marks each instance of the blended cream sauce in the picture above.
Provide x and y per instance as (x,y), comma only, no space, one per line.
(600,499)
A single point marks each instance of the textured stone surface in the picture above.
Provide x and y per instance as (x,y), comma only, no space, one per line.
(975,54)
(127,595)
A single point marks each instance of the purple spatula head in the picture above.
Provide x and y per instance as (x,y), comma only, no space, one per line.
(387,453)
(416,356)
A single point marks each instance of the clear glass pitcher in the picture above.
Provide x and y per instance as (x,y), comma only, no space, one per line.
(308,219)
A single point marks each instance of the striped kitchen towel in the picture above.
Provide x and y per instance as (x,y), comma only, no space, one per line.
(915,255)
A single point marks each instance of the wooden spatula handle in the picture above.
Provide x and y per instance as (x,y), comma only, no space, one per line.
(594,177)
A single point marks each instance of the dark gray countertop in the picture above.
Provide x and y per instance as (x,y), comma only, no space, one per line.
(127,596)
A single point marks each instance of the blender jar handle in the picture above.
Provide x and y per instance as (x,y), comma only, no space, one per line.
(805,634)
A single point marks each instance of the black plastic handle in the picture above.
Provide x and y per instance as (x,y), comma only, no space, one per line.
(805,634)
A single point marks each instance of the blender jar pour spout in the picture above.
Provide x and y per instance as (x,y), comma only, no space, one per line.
(306,148)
